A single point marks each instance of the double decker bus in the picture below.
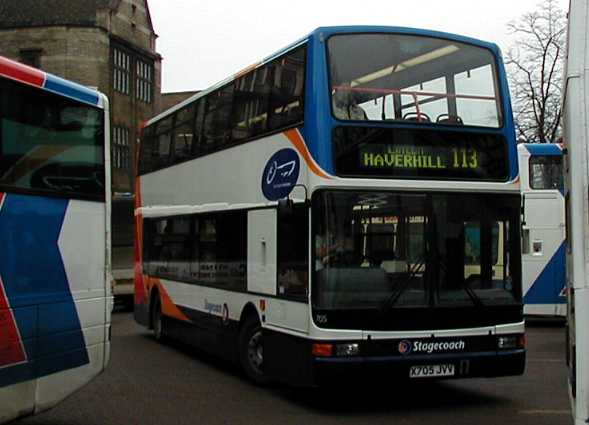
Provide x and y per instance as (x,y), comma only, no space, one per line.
(543,224)
(349,204)
(54,236)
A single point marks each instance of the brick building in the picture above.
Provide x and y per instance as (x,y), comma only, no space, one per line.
(107,44)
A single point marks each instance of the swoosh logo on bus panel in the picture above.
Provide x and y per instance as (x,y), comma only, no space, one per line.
(299,143)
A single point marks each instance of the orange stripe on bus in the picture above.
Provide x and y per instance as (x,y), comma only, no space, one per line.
(297,140)
(168,307)
(246,70)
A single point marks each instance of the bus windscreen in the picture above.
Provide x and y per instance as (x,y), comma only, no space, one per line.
(390,250)
(395,77)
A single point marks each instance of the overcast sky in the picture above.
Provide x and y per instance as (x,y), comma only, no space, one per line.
(205,41)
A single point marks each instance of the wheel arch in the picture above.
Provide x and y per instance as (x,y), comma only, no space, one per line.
(248,311)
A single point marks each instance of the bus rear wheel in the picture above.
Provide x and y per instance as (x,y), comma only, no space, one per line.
(251,351)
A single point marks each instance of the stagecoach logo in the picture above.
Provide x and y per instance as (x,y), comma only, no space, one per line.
(212,307)
(280,174)
(408,347)
(405,347)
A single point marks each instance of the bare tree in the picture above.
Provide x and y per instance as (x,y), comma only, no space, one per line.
(535,67)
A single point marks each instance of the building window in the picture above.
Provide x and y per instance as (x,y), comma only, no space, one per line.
(121,153)
(31,57)
(122,71)
(143,82)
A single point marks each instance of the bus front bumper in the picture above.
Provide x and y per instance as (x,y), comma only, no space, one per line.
(465,365)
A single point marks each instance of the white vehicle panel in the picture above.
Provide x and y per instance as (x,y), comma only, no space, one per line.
(261,251)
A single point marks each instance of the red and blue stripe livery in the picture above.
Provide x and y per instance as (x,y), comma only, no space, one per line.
(37,78)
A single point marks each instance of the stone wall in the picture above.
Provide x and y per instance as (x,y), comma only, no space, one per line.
(77,54)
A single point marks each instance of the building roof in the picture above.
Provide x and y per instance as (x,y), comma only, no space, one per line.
(33,13)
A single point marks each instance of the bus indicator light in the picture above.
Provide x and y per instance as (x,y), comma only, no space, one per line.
(323,350)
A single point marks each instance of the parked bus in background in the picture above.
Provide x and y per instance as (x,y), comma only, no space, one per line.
(576,139)
(54,236)
(543,223)
(332,211)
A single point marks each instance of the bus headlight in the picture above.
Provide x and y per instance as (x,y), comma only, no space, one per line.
(506,342)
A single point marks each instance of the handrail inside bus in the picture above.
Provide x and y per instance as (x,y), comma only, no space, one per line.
(414,94)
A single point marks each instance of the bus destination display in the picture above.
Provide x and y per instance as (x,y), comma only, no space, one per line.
(407,153)
(410,157)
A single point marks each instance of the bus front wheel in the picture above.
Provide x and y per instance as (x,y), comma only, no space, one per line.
(251,351)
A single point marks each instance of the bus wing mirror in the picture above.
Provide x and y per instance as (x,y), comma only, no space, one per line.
(285,208)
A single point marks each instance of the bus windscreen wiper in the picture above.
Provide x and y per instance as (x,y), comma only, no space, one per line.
(394,297)
(472,295)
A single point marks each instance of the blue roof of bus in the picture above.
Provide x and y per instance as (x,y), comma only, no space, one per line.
(351,29)
(327,31)
(544,148)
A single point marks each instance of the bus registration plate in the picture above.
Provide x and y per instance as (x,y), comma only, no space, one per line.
(432,370)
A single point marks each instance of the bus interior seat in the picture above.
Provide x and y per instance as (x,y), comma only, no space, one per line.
(416,116)
(449,119)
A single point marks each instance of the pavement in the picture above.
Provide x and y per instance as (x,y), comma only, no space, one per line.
(149,383)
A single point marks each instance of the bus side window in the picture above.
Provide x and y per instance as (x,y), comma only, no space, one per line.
(250,107)
(183,134)
(293,254)
(286,98)
(217,131)
(161,150)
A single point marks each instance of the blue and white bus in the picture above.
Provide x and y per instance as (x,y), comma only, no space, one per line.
(350,204)
(54,237)
(543,224)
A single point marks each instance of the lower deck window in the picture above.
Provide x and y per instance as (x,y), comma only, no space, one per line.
(206,249)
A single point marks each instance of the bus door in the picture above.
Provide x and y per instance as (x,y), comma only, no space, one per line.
(289,308)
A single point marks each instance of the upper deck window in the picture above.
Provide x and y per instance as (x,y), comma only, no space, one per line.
(385,77)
